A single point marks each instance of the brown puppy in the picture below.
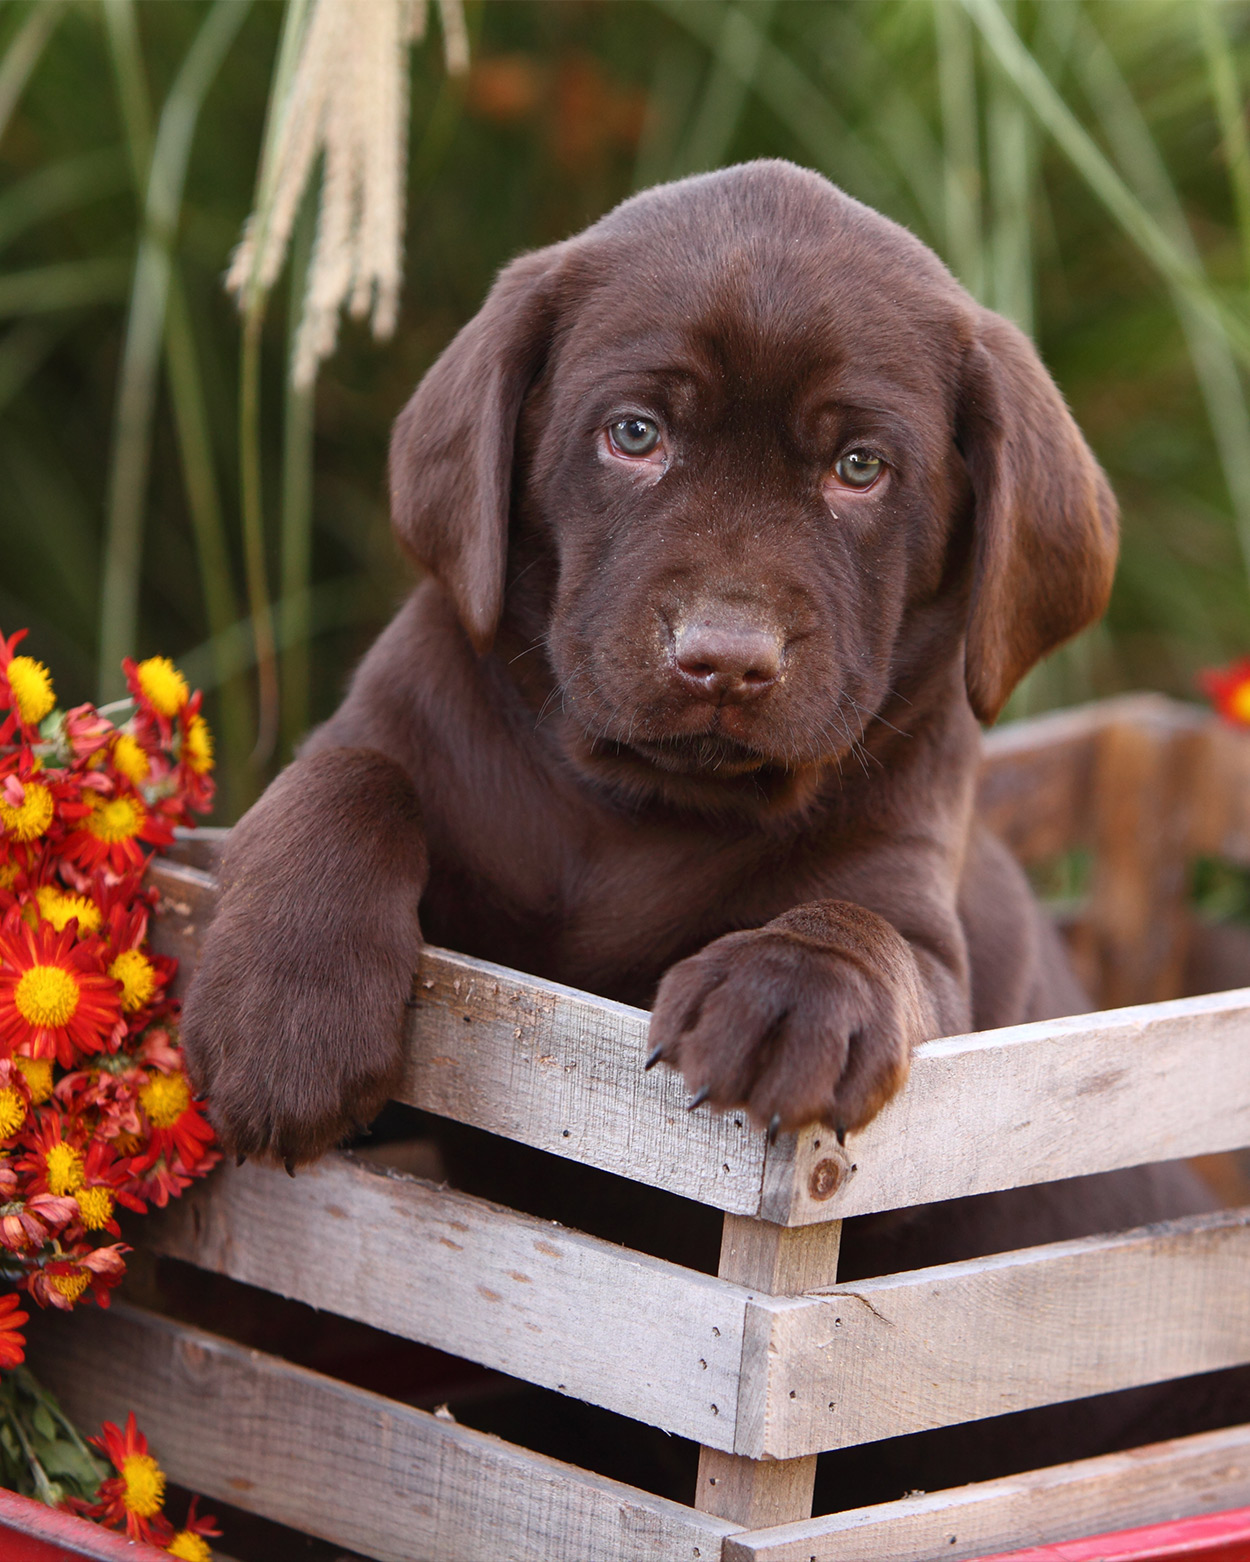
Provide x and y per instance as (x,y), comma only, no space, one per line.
(737,513)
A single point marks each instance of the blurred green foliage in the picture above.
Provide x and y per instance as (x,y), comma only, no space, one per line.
(1081,164)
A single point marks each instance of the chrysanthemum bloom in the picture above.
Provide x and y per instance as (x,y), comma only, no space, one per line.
(189,1543)
(25,687)
(178,1127)
(12,1343)
(85,731)
(38,1075)
(26,809)
(62,1281)
(1228,689)
(30,1223)
(60,907)
(130,759)
(55,1001)
(136,1494)
(112,834)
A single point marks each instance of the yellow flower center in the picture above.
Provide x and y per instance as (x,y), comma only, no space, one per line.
(127,1144)
(32,818)
(163,684)
(197,745)
(137,975)
(64,1166)
(12,1111)
(115,819)
(145,1485)
(95,1205)
(32,689)
(59,907)
(1239,702)
(71,1286)
(38,1072)
(130,759)
(165,1098)
(8,875)
(190,1547)
(46,995)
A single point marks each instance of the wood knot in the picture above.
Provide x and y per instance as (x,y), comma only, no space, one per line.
(827,1177)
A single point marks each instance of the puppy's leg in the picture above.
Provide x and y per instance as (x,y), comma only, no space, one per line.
(294,1017)
(810,1018)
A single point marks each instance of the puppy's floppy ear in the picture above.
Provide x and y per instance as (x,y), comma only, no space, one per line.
(1045,519)
(452,445)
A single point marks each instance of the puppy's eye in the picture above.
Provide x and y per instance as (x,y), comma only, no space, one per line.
(634,436)
(859,468)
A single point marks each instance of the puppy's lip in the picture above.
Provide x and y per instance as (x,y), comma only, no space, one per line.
(702,753)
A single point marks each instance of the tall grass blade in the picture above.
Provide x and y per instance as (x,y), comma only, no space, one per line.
(957,95)
(1090,162)
(297,504)
(145,331)
(24,52)
(1211,353)
(64,186)
(727,87)
(66,284)
(1230,110)
(1008,137)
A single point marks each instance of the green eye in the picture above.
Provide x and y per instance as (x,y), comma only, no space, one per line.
(634,436)
(859,468)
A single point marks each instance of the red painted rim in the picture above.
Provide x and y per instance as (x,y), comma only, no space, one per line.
(29,1532)
(1212,1537)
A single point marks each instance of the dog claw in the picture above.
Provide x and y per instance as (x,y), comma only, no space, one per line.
(653,1057)
(774,1127)
(699,1097)
(240,1158)
(289,1163)
(412,1001)
(840,1132)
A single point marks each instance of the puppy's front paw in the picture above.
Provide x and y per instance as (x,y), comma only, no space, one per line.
(294,1049)
(788,1027)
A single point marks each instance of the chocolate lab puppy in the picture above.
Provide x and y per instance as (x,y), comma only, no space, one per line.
(736,515)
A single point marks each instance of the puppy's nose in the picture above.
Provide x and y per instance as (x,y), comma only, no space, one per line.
(726,662)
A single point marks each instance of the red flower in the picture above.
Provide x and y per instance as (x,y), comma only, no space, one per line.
(62,1281)
(1228,689)
(136,1494)
(55,1001)
(12,1344)
(112,834)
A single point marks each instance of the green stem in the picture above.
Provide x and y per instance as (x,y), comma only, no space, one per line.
(297,518)
(1230,108)
(254,533)
(24,53)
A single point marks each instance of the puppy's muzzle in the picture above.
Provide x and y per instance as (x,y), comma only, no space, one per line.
(726,661)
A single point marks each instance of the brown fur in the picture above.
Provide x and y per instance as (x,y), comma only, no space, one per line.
(552,748)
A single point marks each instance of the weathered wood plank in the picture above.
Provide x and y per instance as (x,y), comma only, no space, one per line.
(357,1469)
(958,1342)
(781,1261)
(1150,1485)
(562,1070)
(643,1337)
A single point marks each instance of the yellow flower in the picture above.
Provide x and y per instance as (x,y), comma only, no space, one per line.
(190,1547)
(64,1165)
(46,996)
(197,745)
(28,821)
(137,975)
(12,1111)
(8,874)
(145,1485)
(163,685)
(38,1072)
(114,819)
(70,1286)
(32,689)
(130,758)
(59,907)
(165,1098)
(95,1205)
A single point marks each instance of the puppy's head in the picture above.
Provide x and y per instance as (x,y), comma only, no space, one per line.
(778,469)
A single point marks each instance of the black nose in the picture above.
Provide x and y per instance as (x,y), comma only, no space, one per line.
(726,661)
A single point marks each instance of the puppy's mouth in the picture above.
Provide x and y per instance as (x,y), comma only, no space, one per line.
(702,753)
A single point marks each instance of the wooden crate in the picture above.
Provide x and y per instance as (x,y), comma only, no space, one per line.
(770,1362)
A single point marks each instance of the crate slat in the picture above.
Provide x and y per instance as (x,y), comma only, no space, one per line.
(352,1467)
(646,1338)
(958,1342)
(1162,1481)
(562,1070)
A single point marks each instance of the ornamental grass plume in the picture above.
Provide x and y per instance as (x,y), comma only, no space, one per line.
(348,103)
(96,1110)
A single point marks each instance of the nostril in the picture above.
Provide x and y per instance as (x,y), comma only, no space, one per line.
(726,660)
